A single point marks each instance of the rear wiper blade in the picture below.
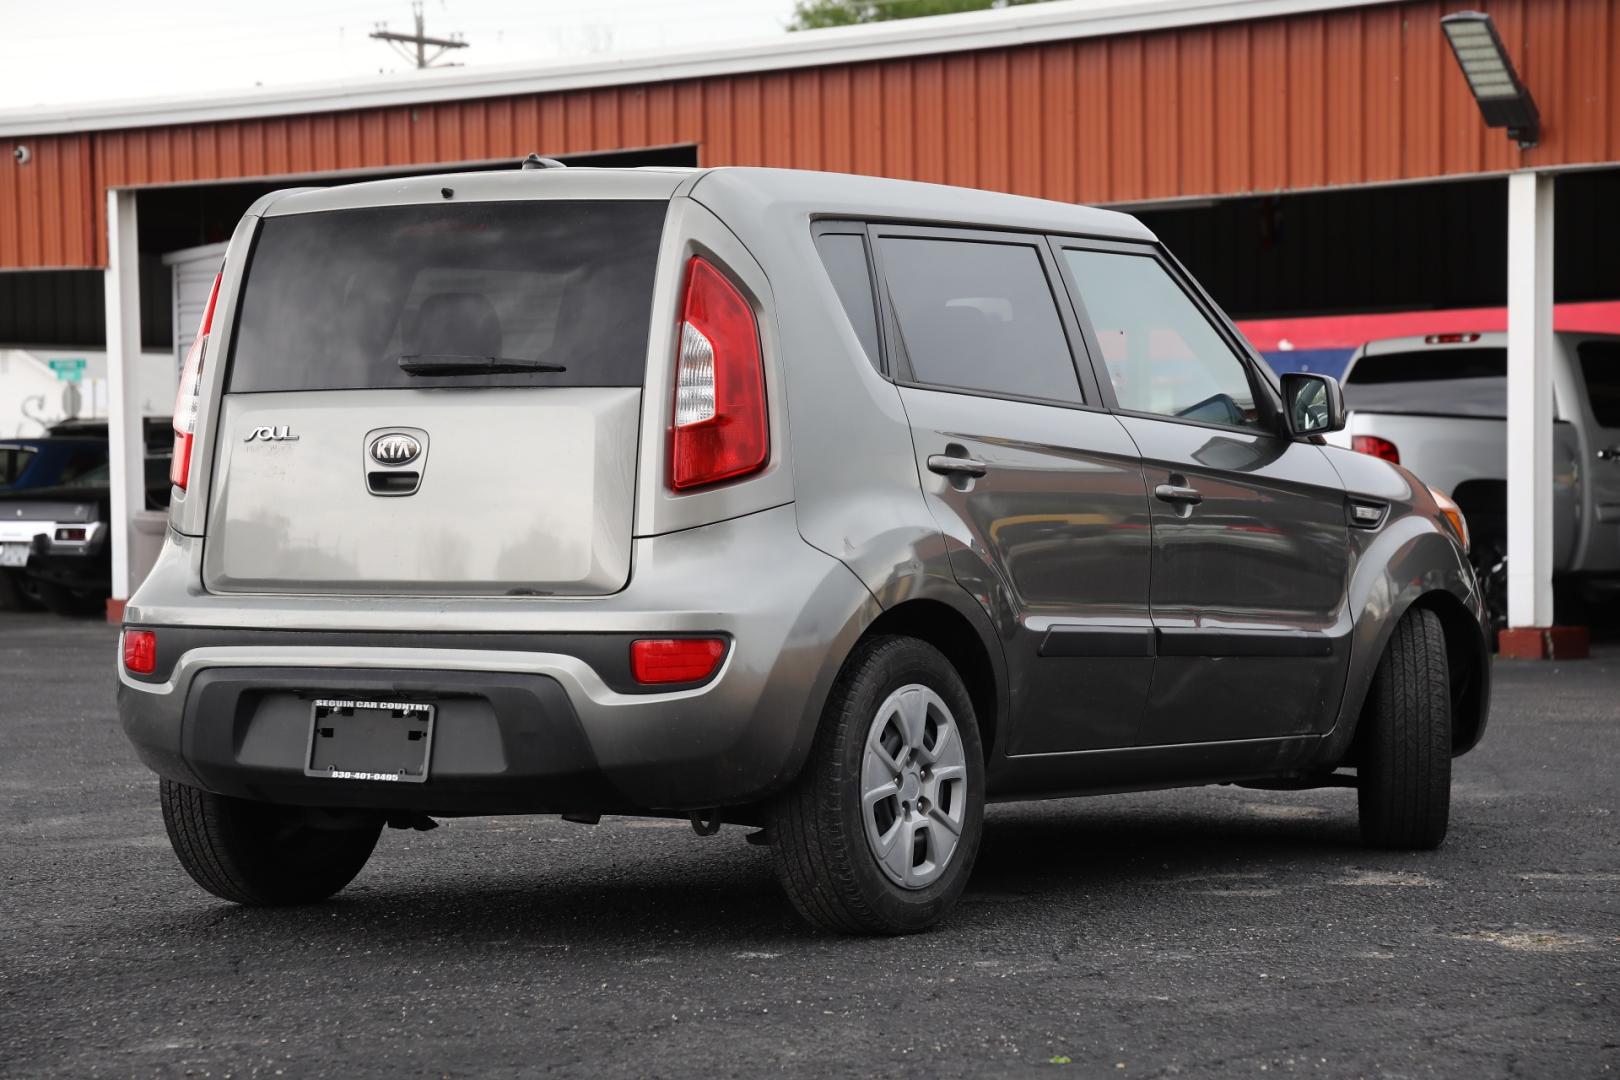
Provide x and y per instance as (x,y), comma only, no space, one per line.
(450,364)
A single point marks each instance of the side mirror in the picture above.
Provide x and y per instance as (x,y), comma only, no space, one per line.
(1313,404)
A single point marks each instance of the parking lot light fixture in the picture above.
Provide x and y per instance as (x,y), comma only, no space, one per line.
(1504,101)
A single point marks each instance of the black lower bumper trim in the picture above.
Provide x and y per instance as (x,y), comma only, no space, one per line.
(507,743)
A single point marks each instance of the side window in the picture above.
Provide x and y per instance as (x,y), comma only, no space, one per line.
(844,255)
(1163,356)
(1600,368)
(13,460)
(979,315)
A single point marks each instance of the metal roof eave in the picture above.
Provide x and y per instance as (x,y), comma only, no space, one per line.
(1022,25)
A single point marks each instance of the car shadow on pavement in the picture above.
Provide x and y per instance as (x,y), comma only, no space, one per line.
(1042,852)
(1041,860)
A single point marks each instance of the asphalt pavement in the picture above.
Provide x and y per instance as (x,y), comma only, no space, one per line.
(1210,932)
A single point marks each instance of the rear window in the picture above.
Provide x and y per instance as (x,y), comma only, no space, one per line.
(333,300)
(1600,368)
(1443,382)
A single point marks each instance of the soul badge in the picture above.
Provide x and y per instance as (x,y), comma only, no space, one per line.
(283,433)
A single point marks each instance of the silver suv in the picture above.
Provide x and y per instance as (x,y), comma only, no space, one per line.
(829,506)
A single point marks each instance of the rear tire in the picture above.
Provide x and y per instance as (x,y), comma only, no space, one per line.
(1404,778)
(828,852)
(258,854)
(16,592)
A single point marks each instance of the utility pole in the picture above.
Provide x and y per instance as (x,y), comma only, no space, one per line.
(402,43)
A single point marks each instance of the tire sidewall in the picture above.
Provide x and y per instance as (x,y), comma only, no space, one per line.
(903,662)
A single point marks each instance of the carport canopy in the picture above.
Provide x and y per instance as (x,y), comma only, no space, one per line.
(1119,103)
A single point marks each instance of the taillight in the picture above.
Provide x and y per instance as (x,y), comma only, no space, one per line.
(188,399)
(140,651)
(1379,448)
(720,429)
(675,660)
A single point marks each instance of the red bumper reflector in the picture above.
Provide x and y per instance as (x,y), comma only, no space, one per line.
(675,660)
(140,652)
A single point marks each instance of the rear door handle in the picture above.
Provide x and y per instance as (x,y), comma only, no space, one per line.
(1609,453)
(951,465)
(1171,493)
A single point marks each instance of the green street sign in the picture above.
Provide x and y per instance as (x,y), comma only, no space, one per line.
(70,369)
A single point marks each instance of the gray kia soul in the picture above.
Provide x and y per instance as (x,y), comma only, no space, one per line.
(825,505)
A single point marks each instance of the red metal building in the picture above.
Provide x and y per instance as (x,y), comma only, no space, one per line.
(1114,105)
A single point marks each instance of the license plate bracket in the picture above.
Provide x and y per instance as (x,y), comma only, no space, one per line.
(368,739)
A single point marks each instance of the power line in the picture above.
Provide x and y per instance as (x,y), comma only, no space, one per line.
(420,39)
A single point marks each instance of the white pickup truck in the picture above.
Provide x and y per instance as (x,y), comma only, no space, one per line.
(1438,405)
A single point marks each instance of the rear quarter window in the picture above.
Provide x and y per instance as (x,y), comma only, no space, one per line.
(333,300)
(844,256)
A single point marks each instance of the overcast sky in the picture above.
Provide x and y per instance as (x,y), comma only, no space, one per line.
(62,51)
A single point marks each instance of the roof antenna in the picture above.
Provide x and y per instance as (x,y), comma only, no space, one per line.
(535,161)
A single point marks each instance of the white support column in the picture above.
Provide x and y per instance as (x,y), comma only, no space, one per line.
(1530,399)
(128,451)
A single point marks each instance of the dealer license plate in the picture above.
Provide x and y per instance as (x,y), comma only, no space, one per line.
(363,739)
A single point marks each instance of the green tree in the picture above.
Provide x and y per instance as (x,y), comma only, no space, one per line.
(816,14)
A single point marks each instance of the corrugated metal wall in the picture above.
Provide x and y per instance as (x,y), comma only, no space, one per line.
(1348,97)
(47,211)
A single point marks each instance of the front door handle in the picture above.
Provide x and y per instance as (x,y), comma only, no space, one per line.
(1173,493)
(951,465)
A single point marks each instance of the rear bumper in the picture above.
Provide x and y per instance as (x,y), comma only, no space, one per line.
(537,720)
(507,741)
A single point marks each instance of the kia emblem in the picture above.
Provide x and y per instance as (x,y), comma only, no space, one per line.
(395,448)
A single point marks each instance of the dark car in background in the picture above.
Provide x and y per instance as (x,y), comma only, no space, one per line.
(55,505)
(47,461)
